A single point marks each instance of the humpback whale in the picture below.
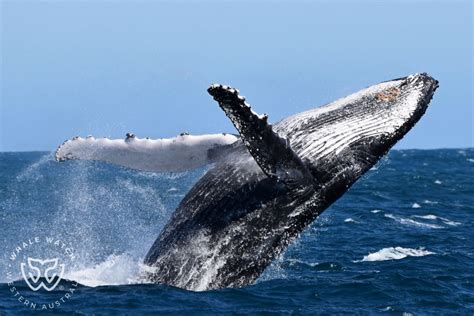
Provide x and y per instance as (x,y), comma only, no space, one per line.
(265,185)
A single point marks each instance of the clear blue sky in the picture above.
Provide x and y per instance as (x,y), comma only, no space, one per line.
(108,67)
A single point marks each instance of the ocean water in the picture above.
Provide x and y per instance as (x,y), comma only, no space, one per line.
(401,241)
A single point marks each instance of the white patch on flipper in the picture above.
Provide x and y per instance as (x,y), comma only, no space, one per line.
(176,154)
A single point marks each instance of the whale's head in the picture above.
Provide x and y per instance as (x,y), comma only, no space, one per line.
(348,136)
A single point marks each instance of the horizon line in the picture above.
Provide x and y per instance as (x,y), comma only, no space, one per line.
(393,149)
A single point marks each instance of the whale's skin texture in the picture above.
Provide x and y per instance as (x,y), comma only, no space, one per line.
(237,218)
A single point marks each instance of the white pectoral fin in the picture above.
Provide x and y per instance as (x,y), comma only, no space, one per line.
(176,154)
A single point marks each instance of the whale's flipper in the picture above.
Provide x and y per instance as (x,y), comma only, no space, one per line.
(271,152)
(180,153)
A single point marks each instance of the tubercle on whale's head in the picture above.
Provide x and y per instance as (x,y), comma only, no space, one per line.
(410,96)
(401,107)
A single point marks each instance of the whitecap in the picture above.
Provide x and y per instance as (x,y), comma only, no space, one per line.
(387,309)
(438,182)
(429,216)
(430,202)
(376,211)
(411,222)
(443,219)
(416,205)
(349,220)
(470,160)
(450,223)
(396,253)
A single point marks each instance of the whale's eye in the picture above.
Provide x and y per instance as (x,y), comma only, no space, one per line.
(389,95)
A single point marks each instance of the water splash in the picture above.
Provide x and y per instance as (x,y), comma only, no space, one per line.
(109,215)
(114,270)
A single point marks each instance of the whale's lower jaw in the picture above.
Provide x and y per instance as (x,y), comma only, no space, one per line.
(244,211)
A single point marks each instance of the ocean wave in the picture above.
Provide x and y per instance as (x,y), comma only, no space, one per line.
(412,222)
(450,223)
(319,266)
(350,220)
(395,253)
(429,216)
(443,219)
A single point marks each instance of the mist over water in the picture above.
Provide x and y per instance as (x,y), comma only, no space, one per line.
(399,241)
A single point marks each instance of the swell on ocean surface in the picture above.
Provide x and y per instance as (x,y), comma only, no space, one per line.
(396,253)
(400,241)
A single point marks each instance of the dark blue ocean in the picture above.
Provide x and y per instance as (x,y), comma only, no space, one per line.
(400,242)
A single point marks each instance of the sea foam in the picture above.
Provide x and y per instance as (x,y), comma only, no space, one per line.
(442,219)
(396,253)
(412,222)
(114,270)
(349,220)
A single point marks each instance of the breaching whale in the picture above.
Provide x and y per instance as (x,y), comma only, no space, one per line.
(264,189)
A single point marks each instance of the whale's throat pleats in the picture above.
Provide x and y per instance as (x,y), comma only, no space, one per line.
(349,135)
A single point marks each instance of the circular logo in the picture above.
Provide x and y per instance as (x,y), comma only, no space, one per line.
(39,264)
